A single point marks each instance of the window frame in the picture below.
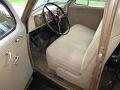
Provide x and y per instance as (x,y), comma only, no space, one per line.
(11,14)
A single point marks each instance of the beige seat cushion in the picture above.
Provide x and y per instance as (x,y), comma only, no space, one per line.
(68,51)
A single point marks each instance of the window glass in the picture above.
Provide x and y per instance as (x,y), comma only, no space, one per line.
(42,2)
(92,3)
(7,22)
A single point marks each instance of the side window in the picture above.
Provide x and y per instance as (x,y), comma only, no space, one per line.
(92,3)
(7,22)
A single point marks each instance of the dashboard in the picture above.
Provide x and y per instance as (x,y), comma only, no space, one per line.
(36,19)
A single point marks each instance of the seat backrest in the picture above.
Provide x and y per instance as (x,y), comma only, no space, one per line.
(92,49)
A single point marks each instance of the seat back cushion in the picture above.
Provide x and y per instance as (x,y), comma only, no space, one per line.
(92,48)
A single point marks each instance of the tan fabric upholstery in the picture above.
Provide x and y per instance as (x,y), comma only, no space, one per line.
(70,49)
(73,56)
(87,16)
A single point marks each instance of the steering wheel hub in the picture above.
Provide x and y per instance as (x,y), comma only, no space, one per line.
(57,19)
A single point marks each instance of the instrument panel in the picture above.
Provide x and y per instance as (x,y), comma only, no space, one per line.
(36,20)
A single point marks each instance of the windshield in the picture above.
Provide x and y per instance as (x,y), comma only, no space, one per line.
(42,2)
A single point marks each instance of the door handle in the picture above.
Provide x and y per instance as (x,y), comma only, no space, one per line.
(18,38)
(9,55)
(16,60)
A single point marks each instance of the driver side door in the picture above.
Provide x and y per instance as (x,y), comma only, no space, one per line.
(15,67)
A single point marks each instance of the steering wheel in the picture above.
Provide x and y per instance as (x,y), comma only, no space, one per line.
(59,21)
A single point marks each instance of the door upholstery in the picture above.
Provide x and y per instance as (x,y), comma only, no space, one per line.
(84,15)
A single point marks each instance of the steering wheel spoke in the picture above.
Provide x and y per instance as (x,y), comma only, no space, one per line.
(50,11)
(59,28)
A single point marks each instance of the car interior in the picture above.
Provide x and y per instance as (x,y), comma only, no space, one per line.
(64,39)
(64,42)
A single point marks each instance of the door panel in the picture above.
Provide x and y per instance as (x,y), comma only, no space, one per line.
(15,67)
(85,15)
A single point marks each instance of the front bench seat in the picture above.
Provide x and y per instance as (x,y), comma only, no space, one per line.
(73,56)
(68,51)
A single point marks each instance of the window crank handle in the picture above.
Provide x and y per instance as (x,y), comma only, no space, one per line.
(16,60)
